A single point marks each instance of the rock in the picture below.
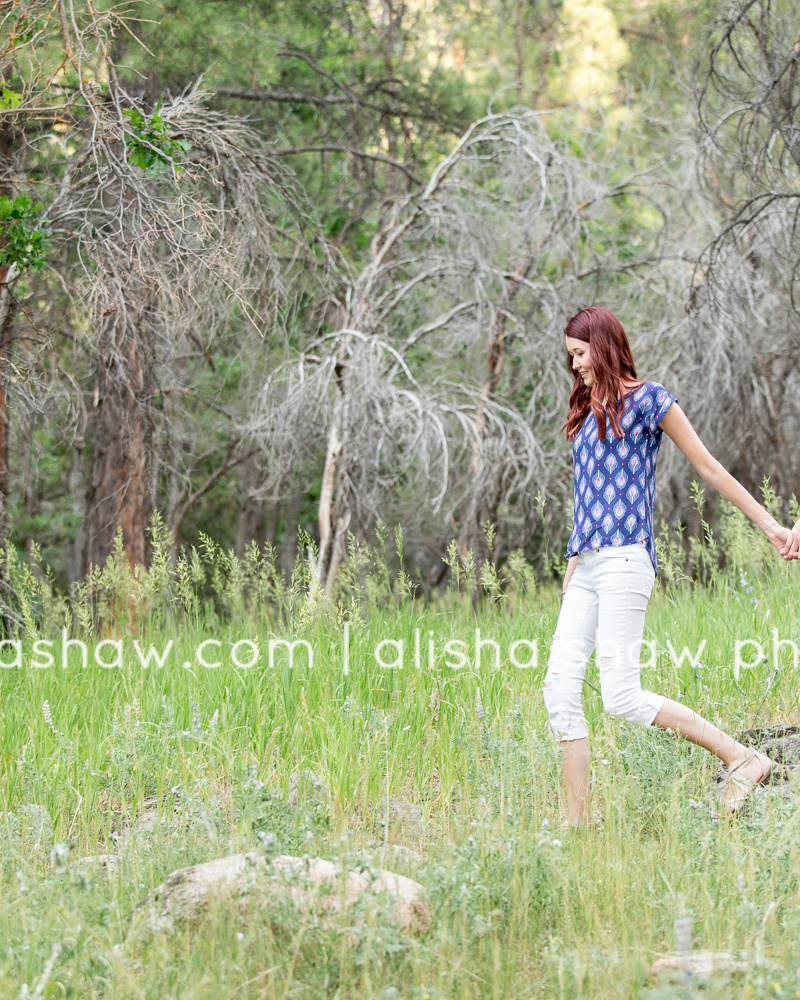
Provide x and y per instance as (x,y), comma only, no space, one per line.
(403,853)
(398,853)
(108,862)
(318,884)
(307,782)
(701,963)
(150,819)
(146,821)
(400,812)
(311,884)
(782,744)
(412,915)
(186,892)
(169,818)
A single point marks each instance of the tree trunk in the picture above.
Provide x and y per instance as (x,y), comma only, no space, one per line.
(338,542)
(77,492)
(486,497)
(8,310)
(331,516)
(519,46)
(120,438)
(273,520)
(288,545)
(252,520)
(8,314)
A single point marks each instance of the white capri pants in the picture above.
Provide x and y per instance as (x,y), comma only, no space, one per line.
(605,603)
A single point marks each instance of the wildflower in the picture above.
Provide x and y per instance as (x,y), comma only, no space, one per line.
(197,722)
(556,843)
(48,718)
(59,855)
(479,712)
(748,590)
(753,600)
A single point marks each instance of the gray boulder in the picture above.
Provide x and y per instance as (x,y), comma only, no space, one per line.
(308,884)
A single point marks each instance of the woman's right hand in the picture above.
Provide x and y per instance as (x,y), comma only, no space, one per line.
(790,548)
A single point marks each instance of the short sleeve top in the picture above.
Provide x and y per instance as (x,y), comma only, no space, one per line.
(615,479)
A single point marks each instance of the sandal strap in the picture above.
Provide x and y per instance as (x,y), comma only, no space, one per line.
(745,783)
(766,764)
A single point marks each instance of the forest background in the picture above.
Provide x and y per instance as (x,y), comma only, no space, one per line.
(287,271)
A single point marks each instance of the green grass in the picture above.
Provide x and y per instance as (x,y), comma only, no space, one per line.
(521,908)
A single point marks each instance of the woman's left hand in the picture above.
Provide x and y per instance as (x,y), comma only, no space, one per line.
(791,547)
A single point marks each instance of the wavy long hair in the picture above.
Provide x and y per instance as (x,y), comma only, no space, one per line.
(612,364)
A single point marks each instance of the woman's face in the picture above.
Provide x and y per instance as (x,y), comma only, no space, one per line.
(581,359)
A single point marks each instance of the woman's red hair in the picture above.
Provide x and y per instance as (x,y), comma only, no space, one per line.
(612,365)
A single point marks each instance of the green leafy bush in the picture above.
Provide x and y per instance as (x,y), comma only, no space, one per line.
(23,243)
(150,145)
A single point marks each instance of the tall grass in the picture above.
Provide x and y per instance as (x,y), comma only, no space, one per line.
(521,907)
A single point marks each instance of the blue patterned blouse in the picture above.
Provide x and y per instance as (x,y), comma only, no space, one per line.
(615,479)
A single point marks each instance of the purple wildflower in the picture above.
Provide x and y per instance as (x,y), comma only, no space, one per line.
(197,722)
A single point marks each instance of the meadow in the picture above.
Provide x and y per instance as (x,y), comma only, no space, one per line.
(442,771)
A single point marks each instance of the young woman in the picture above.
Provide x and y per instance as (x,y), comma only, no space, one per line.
(615,424)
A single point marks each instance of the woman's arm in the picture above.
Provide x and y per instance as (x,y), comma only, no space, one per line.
(676,425)
(572,562)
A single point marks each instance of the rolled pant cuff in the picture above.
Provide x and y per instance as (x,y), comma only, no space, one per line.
(573,733)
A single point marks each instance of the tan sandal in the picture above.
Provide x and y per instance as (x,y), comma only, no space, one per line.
(743,786)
